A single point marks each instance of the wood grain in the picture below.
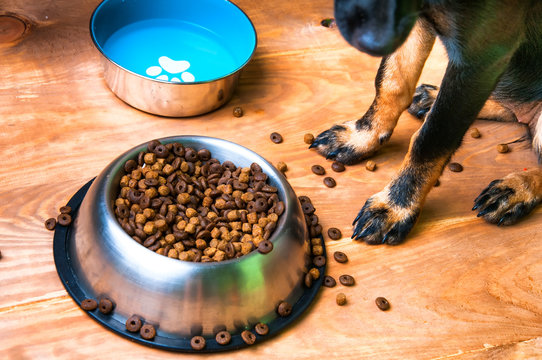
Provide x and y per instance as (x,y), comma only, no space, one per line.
(459,288)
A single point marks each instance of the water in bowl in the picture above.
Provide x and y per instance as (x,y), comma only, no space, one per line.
(170,50)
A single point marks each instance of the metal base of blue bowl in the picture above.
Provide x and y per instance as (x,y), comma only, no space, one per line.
(116,323)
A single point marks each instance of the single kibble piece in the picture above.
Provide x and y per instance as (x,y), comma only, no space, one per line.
(64,219)
(265,247)
(382,303)
(89,304)
(65,209)
(308,138)
(50,223)
(370,165)
(133,323)
(334,233)
(329,22)
(341,299)
(248,337)
(340,257)
(475,133)
(329,281)
(147,332)
(337,166)
(261,329)
(315,273)
(318,169)
(223,337)
(238,111)
(319,260)
(330,182)
(276,137)
(281,166)
(346,280)
(105,306)
(284,309)
(197,342)
(308,280)
(455,167)
(503,148)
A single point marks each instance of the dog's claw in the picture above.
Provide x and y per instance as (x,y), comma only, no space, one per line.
(504,201)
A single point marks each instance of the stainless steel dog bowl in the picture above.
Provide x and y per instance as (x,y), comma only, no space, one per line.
(173,58)
(184,298)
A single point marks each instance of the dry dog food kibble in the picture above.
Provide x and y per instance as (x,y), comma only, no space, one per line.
(329,182)
(329,23)
(284,309)
(197,342)
(475,133)
(133,324)
(89,304)
(319,260)
(370,165)
(281,166)
(147,332)
(50,224)
(341,299)
(105,306)
(183,204)
(276,137)
(346,280)
(308,280)
(265,247)
(65,209)
(503,148)
(340,257)
(314,273)
(261,329)
(238,111)
(223,337)
(337,166)
(248,337)
(308,139)
(382,303)
(329,281)
(455,167)
(64,219)
(334,233)
(318,169)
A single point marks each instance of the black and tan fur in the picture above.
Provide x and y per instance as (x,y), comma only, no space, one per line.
(494,72)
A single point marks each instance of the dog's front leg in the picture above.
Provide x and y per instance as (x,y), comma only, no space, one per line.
(395,84)
(388,216)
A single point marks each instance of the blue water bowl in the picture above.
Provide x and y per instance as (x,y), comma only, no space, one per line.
(173,58)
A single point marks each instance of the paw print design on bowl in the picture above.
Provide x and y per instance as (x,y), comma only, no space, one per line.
(172,67)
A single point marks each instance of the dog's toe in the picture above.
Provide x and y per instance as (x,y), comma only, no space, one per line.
(423,99)
(348,143)
(380,223)
(505,201)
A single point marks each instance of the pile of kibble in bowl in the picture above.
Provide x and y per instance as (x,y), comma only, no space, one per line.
(184,204)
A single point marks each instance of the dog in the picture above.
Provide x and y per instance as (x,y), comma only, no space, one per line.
(495,58)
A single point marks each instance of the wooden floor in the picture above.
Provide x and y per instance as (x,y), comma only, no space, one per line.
(459,288)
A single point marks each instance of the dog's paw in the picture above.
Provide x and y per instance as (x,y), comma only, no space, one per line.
(379,222)
(350,142)
(506,200)
(423,99)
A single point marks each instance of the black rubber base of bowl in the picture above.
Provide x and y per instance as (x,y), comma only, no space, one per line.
(117,323)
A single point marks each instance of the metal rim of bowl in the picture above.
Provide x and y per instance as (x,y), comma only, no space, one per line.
(239,68)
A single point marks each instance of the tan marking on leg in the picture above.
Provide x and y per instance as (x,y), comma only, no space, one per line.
(493,110)
(401,73)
